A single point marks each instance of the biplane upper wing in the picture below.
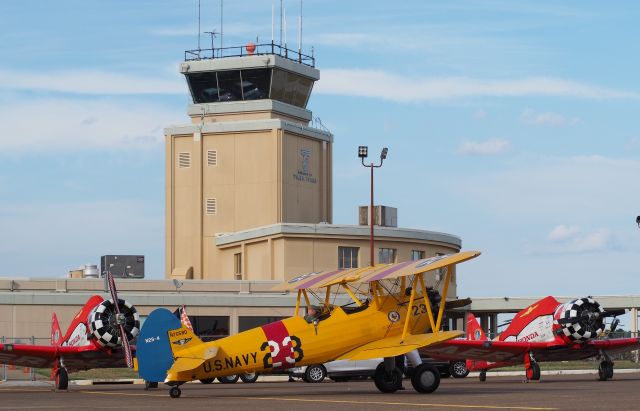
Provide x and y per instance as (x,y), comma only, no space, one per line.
(319,279)
(396,345)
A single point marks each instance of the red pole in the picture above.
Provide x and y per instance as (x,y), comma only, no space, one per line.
(372,263)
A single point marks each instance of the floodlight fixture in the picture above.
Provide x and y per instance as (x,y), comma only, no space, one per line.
(638,221)
(363,151)
(383,154)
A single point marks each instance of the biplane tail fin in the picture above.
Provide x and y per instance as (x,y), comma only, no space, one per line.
(56,333)
(474,330)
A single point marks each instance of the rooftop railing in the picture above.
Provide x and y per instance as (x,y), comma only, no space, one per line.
(251,50)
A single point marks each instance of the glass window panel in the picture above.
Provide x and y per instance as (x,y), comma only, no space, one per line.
(255,83)
(290,88)
(417,255)
(386,255)
(204,87)
(247,323)
(210,328)
(348,257)
(229,85)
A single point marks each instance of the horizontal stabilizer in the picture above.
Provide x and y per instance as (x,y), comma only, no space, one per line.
(185,364)
(392,346)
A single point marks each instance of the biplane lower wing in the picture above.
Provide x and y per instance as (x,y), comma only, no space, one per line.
(75,358)
(392,346)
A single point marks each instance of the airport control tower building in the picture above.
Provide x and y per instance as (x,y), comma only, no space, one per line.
(249,179)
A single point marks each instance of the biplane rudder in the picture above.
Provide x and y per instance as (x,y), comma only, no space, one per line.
(153,351)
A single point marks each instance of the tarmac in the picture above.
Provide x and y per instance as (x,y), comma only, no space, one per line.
(553,392)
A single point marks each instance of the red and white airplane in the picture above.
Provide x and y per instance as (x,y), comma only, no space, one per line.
(93,340)
(545,331)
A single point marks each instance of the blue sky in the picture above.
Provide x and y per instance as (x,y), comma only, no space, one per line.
(513,125)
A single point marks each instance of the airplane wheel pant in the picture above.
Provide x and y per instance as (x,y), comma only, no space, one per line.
(425,379)
(387,382)
(62,379)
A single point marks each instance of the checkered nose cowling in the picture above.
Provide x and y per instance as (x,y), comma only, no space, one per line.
(103,324)
(581,319)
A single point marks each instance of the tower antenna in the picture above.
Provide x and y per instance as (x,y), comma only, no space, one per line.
(198,28)
(273,14)
(281,12)
(221,26)
(300,32)
(285,29)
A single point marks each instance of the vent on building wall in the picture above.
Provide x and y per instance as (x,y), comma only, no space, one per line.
(212,206)
(212,157)
(184,160)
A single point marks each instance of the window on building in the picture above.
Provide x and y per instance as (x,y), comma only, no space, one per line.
(237,266)
(249,322)
(417,255)
(386,255)
(348,257)
(210,328)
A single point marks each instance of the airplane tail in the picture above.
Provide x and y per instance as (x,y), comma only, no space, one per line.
(154,355)
(474,330)
(56,334)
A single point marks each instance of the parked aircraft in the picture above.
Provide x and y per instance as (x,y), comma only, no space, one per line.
(93,340)
(390,314)
(547,330)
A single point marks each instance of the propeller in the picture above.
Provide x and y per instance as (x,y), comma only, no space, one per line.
(120,320)
(591,316)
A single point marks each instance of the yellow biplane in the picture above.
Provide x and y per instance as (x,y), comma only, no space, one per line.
(391,312)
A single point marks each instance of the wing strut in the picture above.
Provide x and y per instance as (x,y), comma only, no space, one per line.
(297,311)
(443,300)
(352,295)
(427,303)
(413,295)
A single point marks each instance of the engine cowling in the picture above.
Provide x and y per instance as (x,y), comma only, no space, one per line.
(104,327)
(580,320)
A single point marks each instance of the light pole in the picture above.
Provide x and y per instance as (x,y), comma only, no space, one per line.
(363,152)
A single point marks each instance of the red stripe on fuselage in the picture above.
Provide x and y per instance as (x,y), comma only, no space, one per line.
(276,334)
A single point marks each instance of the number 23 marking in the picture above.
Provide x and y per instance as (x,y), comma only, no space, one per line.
(275,347)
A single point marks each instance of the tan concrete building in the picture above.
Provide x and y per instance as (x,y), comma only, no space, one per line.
(249,181)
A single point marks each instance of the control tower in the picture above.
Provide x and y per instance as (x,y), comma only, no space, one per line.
(249,158)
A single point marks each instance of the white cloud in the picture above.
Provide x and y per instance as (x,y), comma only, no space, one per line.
(530,116)
(91,82)
(488,147)
(573,240)
(62,124)
(563,232)
(383,85)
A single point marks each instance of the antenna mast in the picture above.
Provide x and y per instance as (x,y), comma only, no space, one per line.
(198,28)
(273,16)
(300,32)
(281,11)
(221,27)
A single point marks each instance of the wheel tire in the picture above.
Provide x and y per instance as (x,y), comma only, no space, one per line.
(175,392)
(458,369)
(150,384)
(229,379)
(315,373)
(249,378)
(425,378)
(387,382)
(533,372)
(62,379)
(605,370)
(207,380)
(483,376)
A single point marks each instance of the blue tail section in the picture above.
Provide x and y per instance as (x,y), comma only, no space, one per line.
(153,349)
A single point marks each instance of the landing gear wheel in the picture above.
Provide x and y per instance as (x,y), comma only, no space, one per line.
(249,378)
(387,382)
(229,379)
(458,369)
(62,379)
(315,373)
(483,376)
(150,384)
(533,372)
(207,380)
(175,392)
(605,370)
(425,378)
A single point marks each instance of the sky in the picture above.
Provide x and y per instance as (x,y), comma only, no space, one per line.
(513,125)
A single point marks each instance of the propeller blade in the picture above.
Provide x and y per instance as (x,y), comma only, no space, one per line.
(123,333)
(613,313)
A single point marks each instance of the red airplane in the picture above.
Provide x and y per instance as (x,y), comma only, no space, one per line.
(545,331)
(93,340)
